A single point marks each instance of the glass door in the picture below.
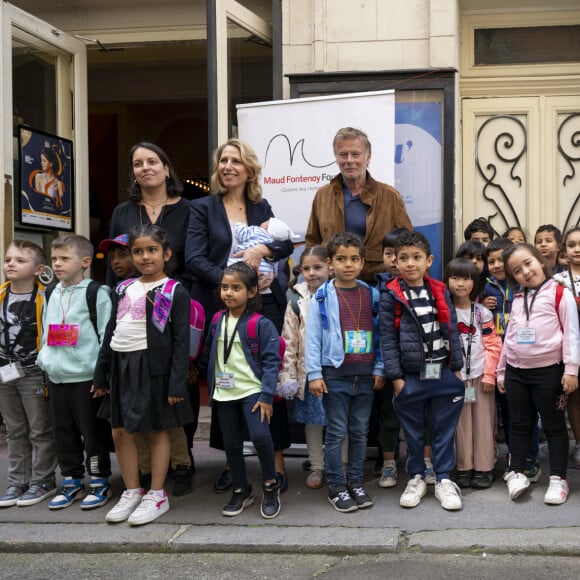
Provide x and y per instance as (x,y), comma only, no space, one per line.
(43,99)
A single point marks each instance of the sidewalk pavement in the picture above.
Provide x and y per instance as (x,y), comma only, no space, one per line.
(489,521)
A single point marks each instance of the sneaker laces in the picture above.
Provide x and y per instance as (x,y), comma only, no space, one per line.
(126,497)
(388,472)
(359,490)
(448,488)
(270,495)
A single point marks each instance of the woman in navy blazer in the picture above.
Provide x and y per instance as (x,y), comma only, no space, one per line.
(236,197)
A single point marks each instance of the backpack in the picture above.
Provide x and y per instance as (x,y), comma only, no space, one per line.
(321,294)
(294,304)
(196,314)
(91,297)
(252,330)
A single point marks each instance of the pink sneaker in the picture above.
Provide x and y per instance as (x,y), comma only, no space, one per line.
(557,491)
(151,507)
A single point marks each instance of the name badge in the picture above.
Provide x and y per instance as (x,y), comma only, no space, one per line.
(225,380)
(470,396)
(11,372)
(358,341)
(526,336)
(63,334)
(431,371)
(161,311)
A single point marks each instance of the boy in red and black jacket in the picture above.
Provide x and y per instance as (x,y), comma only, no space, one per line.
(422,356)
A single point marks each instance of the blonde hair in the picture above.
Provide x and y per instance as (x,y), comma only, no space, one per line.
(79,244)
(351,133)
(249,161)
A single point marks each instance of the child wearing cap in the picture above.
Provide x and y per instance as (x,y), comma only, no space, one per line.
(120,256)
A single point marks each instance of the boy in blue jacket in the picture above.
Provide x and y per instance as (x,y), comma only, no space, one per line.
(344,367)
(422,356)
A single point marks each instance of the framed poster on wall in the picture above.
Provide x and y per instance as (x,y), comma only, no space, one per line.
(46,180)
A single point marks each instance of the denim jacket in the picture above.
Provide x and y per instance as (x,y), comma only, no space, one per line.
(325,346)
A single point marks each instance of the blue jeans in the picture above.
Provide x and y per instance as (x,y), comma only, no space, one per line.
(348,405)
(233,416)
(436,405)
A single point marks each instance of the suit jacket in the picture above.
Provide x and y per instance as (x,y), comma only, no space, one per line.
(209,243)
(386,212)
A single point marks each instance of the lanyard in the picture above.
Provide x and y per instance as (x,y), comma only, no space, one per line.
(65,312)
(467,354)
(342,298)
(9,345)
(228,346)
(427,338)
(529,310)
(572,285)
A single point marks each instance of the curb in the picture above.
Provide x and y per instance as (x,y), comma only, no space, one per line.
(167,538)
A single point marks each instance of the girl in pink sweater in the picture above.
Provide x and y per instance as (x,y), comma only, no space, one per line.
(538,366)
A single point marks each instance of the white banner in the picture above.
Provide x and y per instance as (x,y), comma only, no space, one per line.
(293,140)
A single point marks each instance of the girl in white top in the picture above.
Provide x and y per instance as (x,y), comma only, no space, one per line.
(144,363)
(474,440)
(538,367)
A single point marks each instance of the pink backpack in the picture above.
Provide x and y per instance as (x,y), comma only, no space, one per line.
(252,328)
(196,315)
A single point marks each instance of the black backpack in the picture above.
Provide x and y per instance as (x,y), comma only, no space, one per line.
(91,296)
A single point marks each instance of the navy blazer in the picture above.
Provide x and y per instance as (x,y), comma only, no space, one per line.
(209,243)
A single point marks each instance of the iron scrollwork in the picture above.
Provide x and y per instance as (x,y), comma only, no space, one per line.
(508,148)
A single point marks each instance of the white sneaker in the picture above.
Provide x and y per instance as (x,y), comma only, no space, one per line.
(415,490)
(151,507)
(125,506)
(557,491)
(389,475)
(449,494)
(517,483)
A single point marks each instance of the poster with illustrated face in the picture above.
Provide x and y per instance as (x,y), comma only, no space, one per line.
(46,180)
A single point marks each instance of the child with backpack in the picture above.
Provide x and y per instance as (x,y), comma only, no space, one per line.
(538,367)
(481,347)
(307,408)
(74,322)
(242,358)
(143,364)
(23,401)
(344,367)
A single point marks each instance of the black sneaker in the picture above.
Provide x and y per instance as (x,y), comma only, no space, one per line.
(359,494)
(223,482)
(340,499)
(463,478)
(271,500)
(482,479)
(241,499)
(183,481)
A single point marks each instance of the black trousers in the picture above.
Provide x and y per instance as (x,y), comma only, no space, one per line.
(530,391)
(82,439)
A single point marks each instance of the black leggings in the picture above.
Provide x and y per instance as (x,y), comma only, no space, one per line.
(530,391)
